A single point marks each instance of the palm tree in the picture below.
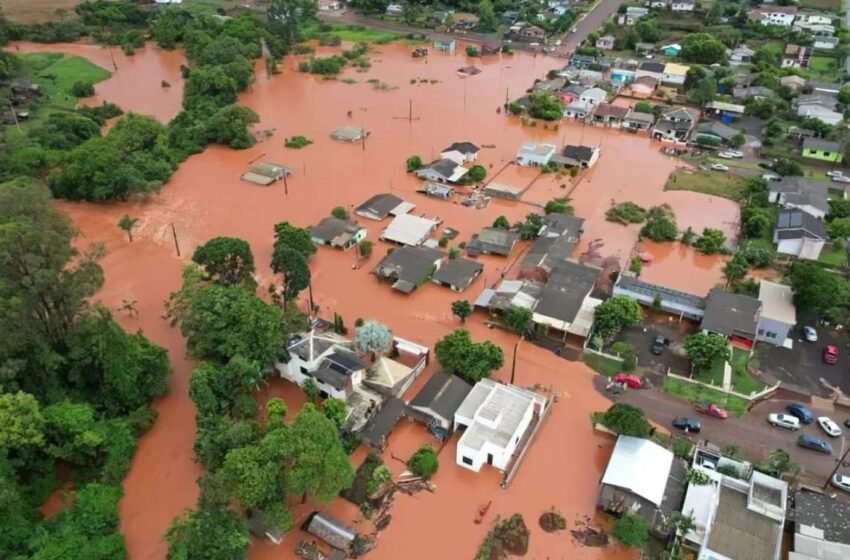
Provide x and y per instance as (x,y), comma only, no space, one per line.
(127,224)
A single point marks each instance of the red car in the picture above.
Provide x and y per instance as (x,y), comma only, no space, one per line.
(632,381)
(710,409)
(830,355)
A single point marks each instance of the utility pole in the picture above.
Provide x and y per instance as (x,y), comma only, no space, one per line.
(312,305)
(513,361)
(15,116)
(410,112)
(363,136)
(285,186)
(174,233)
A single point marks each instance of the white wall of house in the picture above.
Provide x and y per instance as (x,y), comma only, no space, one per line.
(459,157)
(297,371)
(474,459)
(682,6)
(772,331)
(808,249)
(778,18)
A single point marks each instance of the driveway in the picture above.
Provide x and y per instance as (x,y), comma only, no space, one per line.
(640,338)
(751,432)
(802,367)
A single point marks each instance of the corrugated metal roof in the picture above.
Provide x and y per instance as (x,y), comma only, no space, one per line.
(639,466)
(777,302)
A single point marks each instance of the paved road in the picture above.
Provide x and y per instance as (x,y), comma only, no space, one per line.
(751,432)
(592,21)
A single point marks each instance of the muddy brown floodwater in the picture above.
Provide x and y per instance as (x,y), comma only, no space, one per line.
(206,198)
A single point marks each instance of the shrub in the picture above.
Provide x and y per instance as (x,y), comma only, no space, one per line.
(424,462)
(297,142)
(631,530)
(626,213)
(682,447)
(82,89)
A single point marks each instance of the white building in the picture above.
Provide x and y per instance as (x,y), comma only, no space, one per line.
(682,5)
(534,154)
(734,519)
(330,5)
(775,15)
(593,96)
(407,229)
(326,358)
(778,314)
(495,418)
(461,152)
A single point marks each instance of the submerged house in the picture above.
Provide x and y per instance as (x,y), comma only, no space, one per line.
(382,205)
(330,530)
(442,170)
(407,229)
(492,241)
(457,274)
(438,400)
(554,246)
(342,234)
(409,267)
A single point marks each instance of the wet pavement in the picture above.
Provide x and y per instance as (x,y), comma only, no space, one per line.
(206,198)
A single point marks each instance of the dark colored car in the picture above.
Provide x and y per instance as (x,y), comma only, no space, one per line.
(847,422)
(687,424)
(804,414)
(815,444)
(658,345)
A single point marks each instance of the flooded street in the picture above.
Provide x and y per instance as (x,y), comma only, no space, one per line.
(205,198)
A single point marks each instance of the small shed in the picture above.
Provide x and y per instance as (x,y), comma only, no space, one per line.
(350,133)
(265,173)
(329,529)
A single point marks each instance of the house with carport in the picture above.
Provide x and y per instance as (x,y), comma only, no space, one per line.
(565,307)
(443,171)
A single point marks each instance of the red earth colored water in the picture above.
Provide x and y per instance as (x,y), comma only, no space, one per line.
(206,198)
(678,266)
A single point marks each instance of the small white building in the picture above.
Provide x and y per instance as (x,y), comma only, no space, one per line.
(395,10)
(682,5)
(593,96)
(534,154)
(495,418)
(775,15)
(778,314)
(326,358)
(461,152)
(825,43)
(407,229)
(443,170)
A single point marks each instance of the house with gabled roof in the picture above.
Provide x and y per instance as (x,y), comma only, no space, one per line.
(443,170)
(460,152)
(799,234)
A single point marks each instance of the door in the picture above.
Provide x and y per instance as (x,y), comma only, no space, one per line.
(489,458)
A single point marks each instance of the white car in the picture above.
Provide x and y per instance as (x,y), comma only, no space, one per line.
(719,167)
(842,482)
(771,177)
(735,153)
(725,155)
(829,426)
(840,179)
(810,334)
(835,174)
(784,421)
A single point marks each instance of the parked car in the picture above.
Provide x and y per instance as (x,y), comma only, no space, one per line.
(829,426)
(711,409)
(629,380)
(815,444)
(719,167)
(784,421)
(842,482)
(834,174)
(830,355)
(771,177)
(725,155)
(841,179)
(810,334)
(659,343)
(735,153)
(687,424)
(801,412)
(847,422)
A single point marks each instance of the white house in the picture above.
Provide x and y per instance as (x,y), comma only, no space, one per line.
(682,5)
(593,96)
(534,154)
(443,170)
(330,5)
(460,152)
(825,43)
(395,10)
(326,358)
(799,234)
(495,418)
(775,15)
(407,229)
(633,15)
(820,112)
(778,314)
(169,1)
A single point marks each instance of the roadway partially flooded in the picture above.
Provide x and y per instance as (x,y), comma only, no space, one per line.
(411,106)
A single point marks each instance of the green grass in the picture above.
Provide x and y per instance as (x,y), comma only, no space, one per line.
(826,5)
(603,365)
(833,257)
(56,73)
(714,375)
(742,382)
(714,183)
(693,392)
(825,67)
(352,33)
(739,163)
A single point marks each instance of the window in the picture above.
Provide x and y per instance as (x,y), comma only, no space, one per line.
(304,371)
(771,335)
(761,332)
(466,461)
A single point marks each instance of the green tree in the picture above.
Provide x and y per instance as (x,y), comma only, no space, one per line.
(546,106)
(336,411)
(287,236)
(214,388)
(314,459)
(502,223)
(310,388)
(472,361)
(660,224)
(648,30)
(631,530)
(710,242)
(817,290)
(222,322)
(519,319)
(230,126)
(212,533)
(461,309)
(296,273)
(127,224)
(477,173)
(839,228)
(487,20)
(414,163)
(365,248)
(530,228)
(227,260)
(82,89)
(615,313)
(703,349)
(424,462)
(702,48)
(643,107)
(339,212)
(626,420)
(380,476)
(777,463)
(373,338)
(558,206)
(251,475)
(736,268)
(21,422)
(702,92)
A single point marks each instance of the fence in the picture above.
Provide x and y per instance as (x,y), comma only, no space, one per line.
(753,397)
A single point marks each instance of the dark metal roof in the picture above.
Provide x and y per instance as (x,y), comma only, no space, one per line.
(410,264)
(443,395)
(827,514)
(819,144)
(580,153)
(380,205)
(380,426)
(330,228)
(458,273)
(655,67)
(730,314)
(462,147)
(548,252)
(568,285)
(794,224)
(332,377)
(346,361)
(800,185)
(329,529)
(492,240)
(444,167)
(664,293)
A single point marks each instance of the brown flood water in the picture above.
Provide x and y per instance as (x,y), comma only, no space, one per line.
(206,198)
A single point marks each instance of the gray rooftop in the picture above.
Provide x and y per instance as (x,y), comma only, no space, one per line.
(549,252)
(492,240)
(718,129)
(807,199)
(380,426)
(794,224)
(379,205)
(663,292)
(568,285)
(731,314)
(462,147)
(800,185)
(444,167)
(821,145)
(334,230)
(739,533)
(458,273)
(410,264)
(827,514)
(442,394)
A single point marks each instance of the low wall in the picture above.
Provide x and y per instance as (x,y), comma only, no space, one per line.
(753,398)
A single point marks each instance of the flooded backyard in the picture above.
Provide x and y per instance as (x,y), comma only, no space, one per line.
(419,107)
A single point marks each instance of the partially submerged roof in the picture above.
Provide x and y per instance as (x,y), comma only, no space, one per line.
(350,133)
(442,395)
(730,314)
(579,153)
(446,168)
(549,252)
(409,265)
(640,466)
(387,372)
(562,296)
(265,173)
(379,206)
(462,147)
(379,427)
(458,273)
(497,241)
(329,529)
(496,411)
(408,229)
(334,230)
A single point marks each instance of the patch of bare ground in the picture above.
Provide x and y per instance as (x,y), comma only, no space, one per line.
(32,11)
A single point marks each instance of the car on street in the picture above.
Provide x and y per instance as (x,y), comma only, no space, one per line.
(784,421)
(815,444)
(841,481)
(810,334)
(802,413)
(841,179)
(629,380)
(829,426)
(830,355)
(735,153)
(710,409)
(719,167)
(687,424)
(771,177)
(659,343)
(833,174)
(725,155)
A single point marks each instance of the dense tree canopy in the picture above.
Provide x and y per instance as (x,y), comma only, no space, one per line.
(702,48)
(615,313)
(227,260)
(472,361)
(704,349)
